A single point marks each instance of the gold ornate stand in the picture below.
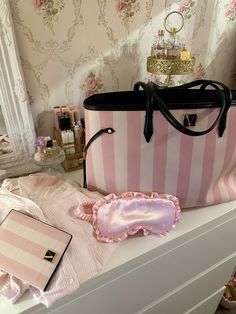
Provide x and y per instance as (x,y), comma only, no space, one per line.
(170,67)
(179,65)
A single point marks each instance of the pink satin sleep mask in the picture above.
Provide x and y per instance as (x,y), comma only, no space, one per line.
(115,217)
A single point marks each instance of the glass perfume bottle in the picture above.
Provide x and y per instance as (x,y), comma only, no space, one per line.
(153,48)
(173,48)
(161,45)
(79,134)
(39,154)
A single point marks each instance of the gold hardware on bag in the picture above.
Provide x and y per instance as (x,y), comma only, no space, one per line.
(49,255)
(189,119)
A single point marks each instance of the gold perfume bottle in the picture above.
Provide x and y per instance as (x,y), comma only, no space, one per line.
(185,54)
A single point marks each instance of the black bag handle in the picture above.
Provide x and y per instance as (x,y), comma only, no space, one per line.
(148,124)
(92,139)
(225,96)
(152,95)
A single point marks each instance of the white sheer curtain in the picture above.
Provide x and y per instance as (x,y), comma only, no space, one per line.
(14,100)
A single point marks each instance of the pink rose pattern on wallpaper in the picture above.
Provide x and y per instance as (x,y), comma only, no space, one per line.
(230,12)
(69,53)
(49,10)
(199,72)
(38,3)
(186,8)
(94,85)
(127,9)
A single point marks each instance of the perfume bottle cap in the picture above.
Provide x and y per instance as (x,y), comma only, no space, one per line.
(173,30)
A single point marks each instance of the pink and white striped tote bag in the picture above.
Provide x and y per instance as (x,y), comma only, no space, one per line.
(179,141)
(31,249)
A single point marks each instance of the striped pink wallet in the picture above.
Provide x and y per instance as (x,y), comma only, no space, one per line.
(31,249)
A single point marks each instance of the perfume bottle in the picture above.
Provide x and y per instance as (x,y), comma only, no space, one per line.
(39,154)
(79,134)
(185,54)
(153,48)
(173,48)
(64,120)
(160,49)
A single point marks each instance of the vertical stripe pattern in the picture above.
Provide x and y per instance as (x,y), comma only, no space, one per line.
(120,149)
(160,153)
(198,170)
(207,165)
(95,163)
(108,155)
(134,128)
(30,249)
(89,160)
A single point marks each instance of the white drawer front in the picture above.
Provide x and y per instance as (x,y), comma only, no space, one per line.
(137,288)
(189,295)
(208,305)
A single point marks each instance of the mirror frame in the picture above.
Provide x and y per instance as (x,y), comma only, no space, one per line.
(14,101)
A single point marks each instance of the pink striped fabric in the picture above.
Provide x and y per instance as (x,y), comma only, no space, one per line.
(38,226)
(198,170)
(24,243)
(133,153)
(108,154)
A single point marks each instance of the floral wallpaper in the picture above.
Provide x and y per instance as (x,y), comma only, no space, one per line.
(72,49)
(49,10)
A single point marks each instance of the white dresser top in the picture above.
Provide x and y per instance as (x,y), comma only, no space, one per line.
(133,250)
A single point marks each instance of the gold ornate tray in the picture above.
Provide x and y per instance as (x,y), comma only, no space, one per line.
(170,66)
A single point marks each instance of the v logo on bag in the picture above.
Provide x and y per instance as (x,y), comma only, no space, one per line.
(189,119)
(49,256)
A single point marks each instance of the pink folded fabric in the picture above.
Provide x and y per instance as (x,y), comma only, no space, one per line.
(53,200)
(115,217)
